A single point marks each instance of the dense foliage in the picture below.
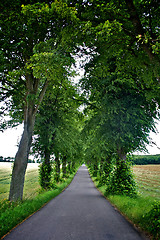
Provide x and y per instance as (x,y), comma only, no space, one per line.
(121,82)
(35,54)
(118,42)
(152,220)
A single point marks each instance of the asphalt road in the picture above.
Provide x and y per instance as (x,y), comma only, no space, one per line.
(79,213)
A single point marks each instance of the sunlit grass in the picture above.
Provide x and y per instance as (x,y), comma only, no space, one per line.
(31,185)
(148,180)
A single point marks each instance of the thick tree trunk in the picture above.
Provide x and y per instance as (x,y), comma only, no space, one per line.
(121,154)
(20,163)
(47,156)
(21,158)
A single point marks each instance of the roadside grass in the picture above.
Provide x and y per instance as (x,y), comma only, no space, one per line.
(13,213)
(144,210)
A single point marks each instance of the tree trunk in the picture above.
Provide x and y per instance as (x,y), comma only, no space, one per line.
(21,160)
(46,171)
(134,17)
(57,168)
(121,154)
(95,168)
(101,167)
(64,161)
(69,167)
(73,165)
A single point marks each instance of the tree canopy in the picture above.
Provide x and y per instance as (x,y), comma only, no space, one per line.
(118,42)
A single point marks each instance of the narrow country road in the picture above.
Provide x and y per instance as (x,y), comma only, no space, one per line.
(79,213)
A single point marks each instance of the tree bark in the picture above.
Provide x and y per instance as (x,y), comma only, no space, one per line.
(95,168)
(64,161)
(101,167)
(69,167)
(47,156)
(57,168)
(73,165)
(45,171)
(21,160)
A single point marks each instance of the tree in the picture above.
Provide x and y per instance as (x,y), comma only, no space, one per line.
(123,114)
(123,100)
(122,76)
(128,29)
(38,39)
(56,128)
(27,68)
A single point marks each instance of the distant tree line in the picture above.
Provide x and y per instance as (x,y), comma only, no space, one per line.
(6,159)
(11,159)
(146,159)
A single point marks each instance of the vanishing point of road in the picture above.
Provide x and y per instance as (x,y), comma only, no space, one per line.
(78,213)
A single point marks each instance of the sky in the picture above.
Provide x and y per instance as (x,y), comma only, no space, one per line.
(9,140)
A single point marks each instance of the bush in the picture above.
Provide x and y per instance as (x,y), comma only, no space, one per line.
(106,171)
(122,180)
(45,171)
(153,220)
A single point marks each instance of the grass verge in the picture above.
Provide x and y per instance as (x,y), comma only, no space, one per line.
(142,212)
(13,214)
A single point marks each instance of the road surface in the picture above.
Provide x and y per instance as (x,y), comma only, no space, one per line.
(79,213)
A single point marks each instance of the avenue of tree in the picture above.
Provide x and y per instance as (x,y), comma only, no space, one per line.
(119,42)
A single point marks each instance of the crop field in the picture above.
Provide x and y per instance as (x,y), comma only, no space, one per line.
(31,186)
(148,180)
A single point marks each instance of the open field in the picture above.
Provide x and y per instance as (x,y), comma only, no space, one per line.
(148,180)
(31,186)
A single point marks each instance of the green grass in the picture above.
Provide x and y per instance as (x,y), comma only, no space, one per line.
(14,213)
(5,178)
(140,210)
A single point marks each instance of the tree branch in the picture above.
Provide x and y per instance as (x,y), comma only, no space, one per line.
(85,101)
(138,27)
(41,95)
